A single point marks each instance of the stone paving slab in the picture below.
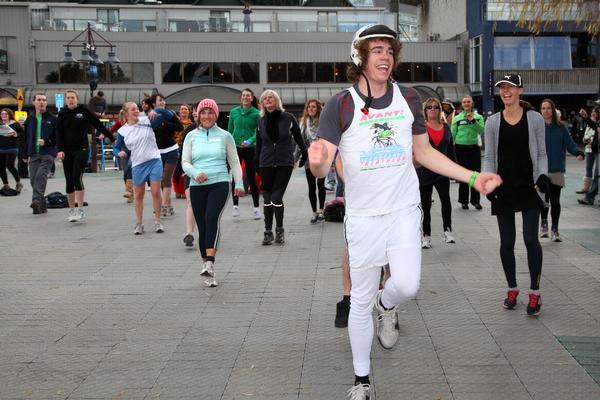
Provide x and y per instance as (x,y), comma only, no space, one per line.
(89,311)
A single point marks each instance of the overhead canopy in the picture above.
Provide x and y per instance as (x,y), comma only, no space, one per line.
(226,97)
(454,93)
(299,95)
(8,97)
(113,96)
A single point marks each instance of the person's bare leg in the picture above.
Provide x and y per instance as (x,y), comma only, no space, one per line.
(138,198)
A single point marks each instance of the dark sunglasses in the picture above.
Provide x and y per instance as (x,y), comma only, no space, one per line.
(432,107)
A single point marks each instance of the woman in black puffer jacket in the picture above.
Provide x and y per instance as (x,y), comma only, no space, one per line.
(9,148)
(276,140)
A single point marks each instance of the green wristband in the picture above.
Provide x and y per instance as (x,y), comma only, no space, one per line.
(474,176)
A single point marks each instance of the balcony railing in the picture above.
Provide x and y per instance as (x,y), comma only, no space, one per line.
(556,81)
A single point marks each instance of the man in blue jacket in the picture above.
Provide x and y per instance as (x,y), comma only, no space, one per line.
(40,136)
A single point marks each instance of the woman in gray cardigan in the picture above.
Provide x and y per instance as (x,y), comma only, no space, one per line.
(516,150)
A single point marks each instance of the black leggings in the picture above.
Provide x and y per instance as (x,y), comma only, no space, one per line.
(274,183)
(74,166)
(247,155)
(442,186)
(506,226)
(555,204)
(7,162)
(313,184)
(208,202)
(469,156)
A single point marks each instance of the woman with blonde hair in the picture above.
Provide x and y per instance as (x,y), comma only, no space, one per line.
(274,156)
(440,138)
(309,123)
(121,151)
(146,163)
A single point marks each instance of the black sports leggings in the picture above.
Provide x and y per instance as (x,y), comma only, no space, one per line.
(74,166)
(274,183)
(247,155)
(208,202)
(313,184)
(555,204)
(506,226)
(442,186)
(469,156)
(7,162)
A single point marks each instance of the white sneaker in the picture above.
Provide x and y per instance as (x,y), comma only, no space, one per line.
(256,214)
(555,237)
(208,269)
(387,324)
(72,215)
(360,391)
(448,236)
(426,242)
(236,211)
(139,229)
(211,281)
(158,226)
(80,214)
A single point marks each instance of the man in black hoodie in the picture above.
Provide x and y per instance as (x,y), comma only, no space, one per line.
(74,123)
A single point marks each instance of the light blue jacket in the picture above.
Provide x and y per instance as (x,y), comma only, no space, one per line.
(210,151)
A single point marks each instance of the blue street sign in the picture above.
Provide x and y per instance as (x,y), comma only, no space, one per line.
(59,100)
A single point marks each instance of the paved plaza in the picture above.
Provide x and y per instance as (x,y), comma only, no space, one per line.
(90,311)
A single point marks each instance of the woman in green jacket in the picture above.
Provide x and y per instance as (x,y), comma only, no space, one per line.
(466,129)
(243,120)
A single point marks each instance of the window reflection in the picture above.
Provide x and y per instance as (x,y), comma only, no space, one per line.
(195,73)
(276,72)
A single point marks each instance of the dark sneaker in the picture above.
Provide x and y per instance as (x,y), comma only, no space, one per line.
(465,206)
(320,217)
(477,206)
(37,207)
(279,236)
(342,310)
(535,305)
(188,240)
(585,202)
(510,302)
(268,238)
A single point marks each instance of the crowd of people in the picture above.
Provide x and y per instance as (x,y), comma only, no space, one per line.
(377,136)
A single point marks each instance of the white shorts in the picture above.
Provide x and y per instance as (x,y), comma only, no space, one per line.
(368,239)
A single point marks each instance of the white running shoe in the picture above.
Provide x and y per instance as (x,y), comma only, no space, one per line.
(360,391)
(555,237)
(158,226)
(387,324)
(139,229)
(211,281)
(448,236)
(256,214)
(236,211)
(208,269)
(72,215)
(80,214)
(426,242)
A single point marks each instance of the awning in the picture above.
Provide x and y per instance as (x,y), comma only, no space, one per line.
(226,97)
(113,96)
(299,95)
(454,93)
(8,97)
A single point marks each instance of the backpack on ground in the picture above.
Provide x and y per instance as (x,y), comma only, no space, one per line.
(56,200)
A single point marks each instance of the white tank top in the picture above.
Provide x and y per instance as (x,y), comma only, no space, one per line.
(376,152)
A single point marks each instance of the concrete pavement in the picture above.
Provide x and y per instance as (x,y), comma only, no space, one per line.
(90,311)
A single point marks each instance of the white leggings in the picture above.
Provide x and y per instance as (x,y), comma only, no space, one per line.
(403,284)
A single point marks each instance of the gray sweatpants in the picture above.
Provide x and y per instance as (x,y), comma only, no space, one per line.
(39,168)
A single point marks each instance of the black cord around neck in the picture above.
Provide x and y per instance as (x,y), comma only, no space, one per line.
(369,99)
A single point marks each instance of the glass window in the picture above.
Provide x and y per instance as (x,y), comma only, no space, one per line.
(120,73)
(131,25)
(222,72)
(47,72)
(102,73)
(143,73)
(300,72)
(73,73)
(327,21)
(324,72)
(171,73)
(403,72)
(423,72)
(512,53)
(195,73)
(552,52)
(245,73)
(340,72)
(276,72)
(445,72)
(475,64)
(107,19)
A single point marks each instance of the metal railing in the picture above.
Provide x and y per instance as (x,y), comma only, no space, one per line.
(556,81)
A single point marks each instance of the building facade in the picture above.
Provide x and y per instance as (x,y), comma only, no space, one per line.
(188,51)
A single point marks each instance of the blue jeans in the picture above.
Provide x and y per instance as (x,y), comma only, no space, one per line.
(593,192)
(590,160)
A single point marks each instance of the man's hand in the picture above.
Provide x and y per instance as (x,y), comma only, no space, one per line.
(486,182)
(122,154)
(317,153)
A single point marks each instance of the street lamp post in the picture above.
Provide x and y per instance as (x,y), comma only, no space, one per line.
(91,59)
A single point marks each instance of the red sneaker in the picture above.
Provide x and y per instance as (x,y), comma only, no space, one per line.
(535,305)
(510,302)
